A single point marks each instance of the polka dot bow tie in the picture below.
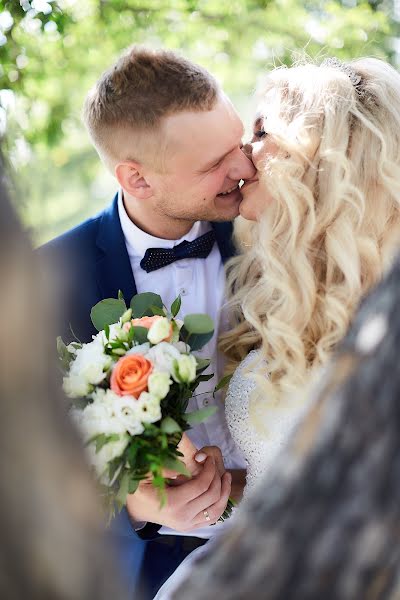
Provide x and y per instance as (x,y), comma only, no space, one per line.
(156,258)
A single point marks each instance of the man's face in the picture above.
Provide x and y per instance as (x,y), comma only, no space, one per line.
(203,165)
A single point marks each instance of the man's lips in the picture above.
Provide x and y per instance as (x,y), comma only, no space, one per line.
(229,191)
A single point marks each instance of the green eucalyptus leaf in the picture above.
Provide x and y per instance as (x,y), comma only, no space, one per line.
(223,382)
(204,378)
(140,334)
(175,465)
(202,364)
(123,490)
(176,306)
(169,425)
(142,304)
(158,311)
(196,341)
(107,312)
(133,485)
(198,324)
(198,416)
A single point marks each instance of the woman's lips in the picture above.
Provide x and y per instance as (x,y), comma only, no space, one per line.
(247,182)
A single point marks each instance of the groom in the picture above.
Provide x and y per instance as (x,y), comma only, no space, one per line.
(164,128)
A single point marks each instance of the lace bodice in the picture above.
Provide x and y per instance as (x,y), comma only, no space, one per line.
(259,437)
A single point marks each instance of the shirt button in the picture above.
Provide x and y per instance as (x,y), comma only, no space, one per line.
(206,402)
(183,291)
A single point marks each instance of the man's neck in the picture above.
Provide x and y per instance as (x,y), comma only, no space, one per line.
(155,224)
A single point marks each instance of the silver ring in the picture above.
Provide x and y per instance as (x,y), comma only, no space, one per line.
(206,515)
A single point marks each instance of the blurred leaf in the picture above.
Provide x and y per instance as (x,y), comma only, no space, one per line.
(198,416)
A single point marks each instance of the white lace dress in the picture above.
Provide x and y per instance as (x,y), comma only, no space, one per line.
(260,436)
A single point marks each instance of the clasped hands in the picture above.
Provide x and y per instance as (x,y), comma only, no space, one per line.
(189,501)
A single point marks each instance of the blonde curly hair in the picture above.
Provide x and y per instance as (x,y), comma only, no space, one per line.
(333,224)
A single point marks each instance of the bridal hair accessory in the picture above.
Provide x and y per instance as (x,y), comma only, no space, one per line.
(206,515)
(335,63)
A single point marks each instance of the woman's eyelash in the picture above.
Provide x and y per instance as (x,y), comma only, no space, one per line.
(260,133)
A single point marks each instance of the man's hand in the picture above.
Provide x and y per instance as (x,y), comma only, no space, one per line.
(207,490)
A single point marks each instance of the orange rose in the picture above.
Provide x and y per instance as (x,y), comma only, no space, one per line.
(147,322)
(130,375)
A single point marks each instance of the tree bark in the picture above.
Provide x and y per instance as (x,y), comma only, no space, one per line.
(325,523)
(52,543)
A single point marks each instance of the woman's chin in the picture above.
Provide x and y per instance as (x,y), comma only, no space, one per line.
(247,211)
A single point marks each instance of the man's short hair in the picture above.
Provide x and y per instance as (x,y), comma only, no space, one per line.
(142,88)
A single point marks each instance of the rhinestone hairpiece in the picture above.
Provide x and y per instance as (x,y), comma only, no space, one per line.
(335,63)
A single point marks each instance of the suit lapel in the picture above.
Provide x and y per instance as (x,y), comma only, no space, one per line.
(113,267)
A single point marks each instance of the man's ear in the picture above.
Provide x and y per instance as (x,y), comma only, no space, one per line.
(130,177)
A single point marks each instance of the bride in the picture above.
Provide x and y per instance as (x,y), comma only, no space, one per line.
(321,222)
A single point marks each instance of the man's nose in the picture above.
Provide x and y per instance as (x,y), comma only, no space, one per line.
(242,166)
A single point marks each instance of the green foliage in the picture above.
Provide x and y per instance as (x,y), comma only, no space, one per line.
(143,305)
(176,306)
(107,312)
(198,416)
(50,58)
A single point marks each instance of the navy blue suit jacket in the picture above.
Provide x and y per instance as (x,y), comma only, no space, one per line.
(87,264)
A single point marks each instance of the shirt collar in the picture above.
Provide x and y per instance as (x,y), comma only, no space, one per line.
(138,241)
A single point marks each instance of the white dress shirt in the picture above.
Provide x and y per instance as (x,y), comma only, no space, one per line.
(200,283)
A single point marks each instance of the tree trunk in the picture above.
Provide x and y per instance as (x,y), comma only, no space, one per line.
(325,523)
(52,544)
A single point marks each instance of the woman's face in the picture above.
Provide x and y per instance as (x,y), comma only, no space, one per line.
(255,193)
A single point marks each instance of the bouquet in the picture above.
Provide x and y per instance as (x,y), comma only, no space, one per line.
(130,388)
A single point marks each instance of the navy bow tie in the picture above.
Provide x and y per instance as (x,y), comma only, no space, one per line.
(156,258)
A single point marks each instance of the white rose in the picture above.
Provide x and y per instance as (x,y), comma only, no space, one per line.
(149,407)
(158,384)
(162,356)
(184,369)
(76,386)
(159,331)
(100,460)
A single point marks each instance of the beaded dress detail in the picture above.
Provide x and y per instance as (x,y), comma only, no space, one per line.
(260,441)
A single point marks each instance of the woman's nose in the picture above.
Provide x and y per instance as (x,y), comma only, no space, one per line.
(247,150)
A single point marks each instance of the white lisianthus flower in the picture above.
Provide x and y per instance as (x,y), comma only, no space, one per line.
(116,331)
(158,384)
(98,417)
(159,331)
(184,369)
(91,363)
(110,450)
(139,349)
(182,347)
(162,356)
(149,407)
(128,414)
(76,386)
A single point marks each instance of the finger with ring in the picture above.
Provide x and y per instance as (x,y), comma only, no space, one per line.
(206,515)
